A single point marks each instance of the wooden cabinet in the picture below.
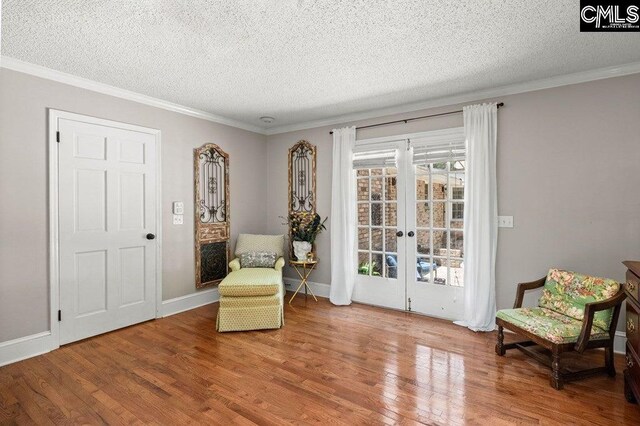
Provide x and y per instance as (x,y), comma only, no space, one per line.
(632,327)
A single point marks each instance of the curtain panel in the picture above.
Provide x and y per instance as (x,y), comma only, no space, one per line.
(480,217)
(343,217)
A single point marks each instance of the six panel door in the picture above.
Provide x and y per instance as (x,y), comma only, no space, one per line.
(107,226)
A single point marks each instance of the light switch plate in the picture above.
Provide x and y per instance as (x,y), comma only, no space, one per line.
(178,207)
(505,221)
(178,219)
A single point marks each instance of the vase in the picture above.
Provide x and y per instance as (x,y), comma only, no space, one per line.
(300,249)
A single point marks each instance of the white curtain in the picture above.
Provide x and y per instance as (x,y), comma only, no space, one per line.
(480,217)
(343,217)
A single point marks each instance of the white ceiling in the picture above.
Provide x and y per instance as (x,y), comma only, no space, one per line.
(305,60)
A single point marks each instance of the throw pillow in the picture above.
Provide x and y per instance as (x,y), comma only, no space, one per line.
(258,259)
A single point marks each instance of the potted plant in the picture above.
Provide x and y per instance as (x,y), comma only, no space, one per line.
(305,227)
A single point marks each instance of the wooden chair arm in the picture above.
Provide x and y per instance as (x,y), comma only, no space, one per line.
(522,287)
(589,311)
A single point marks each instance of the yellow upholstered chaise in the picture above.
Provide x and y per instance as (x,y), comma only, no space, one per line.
(252,298)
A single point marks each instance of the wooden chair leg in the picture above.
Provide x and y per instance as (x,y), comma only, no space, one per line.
(556,377)
(500,349)
(608,361)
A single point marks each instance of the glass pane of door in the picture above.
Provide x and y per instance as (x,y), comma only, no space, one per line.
(377,220)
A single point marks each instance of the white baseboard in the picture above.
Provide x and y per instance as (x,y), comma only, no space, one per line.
(25,347)
(620,342)
(190,301)
(319,289)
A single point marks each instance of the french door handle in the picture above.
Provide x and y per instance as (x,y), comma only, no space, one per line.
(399,234)
(410,234)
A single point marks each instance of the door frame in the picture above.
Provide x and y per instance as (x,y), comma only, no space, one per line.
(54,242)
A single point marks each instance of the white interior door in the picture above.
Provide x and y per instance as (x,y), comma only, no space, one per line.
(107,217)
(381,227)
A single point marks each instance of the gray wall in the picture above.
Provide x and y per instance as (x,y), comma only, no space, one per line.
(24,99)
(568,171)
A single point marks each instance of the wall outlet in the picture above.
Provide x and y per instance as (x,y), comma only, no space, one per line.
(178,219)
(505,221)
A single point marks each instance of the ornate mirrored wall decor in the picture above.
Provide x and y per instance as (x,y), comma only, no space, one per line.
(302,178)
(211,189)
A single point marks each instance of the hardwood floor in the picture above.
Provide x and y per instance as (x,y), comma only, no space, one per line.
(353,365)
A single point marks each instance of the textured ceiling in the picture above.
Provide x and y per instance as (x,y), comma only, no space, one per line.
(302,60)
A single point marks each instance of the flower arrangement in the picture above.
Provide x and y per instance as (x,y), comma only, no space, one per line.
(306,226)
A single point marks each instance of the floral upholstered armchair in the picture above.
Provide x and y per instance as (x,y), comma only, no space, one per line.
(574,313)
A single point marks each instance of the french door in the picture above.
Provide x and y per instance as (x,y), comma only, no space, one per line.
(381,203)
(410,225)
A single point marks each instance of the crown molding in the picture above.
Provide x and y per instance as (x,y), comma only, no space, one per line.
(546,83)
(84,83)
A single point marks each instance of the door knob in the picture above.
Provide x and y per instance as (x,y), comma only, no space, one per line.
(151,236)
(399,234)
(411,233)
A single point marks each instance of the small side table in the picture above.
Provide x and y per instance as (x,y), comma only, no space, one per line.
(304,269)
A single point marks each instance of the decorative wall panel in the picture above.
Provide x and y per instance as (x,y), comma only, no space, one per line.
(211,189)
(302,178)
(302,182)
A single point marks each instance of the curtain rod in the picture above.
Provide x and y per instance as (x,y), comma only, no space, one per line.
(406,120)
